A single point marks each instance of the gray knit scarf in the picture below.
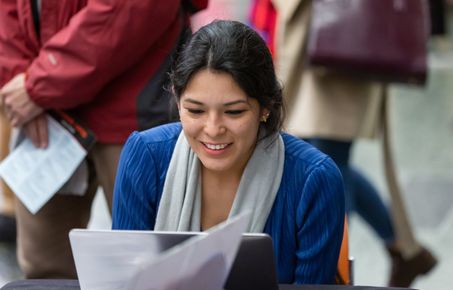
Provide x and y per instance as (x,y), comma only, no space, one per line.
(180,205)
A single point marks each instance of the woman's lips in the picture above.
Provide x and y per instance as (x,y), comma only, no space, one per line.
(215,148)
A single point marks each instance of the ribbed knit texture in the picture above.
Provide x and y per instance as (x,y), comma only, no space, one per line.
(305,223)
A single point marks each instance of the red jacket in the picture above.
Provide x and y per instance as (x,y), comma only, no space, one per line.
(105,60)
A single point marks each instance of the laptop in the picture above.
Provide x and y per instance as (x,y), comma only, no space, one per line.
(253,267)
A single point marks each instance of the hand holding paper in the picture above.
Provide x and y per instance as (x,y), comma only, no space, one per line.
(36,174)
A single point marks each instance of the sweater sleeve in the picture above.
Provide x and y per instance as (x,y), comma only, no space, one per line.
(135,193)
(101,42)
(320,220)
(15,51)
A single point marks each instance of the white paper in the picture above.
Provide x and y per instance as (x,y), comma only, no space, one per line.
(78,183)
(35,174)
(202,262)
(118,261)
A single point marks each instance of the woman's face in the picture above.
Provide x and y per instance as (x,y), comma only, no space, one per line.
(219,121)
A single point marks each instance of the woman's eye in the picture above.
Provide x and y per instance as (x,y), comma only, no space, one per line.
(195,111)
(235,112)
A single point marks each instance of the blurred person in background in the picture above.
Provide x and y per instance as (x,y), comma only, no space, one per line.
(103,61)
(331,111)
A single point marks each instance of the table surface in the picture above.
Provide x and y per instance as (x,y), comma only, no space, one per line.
(56,284)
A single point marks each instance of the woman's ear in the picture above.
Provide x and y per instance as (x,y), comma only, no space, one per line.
(264,114)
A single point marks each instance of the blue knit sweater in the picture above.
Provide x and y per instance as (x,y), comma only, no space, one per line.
(306,220)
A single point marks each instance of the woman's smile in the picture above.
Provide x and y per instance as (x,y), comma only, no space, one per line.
(216,147)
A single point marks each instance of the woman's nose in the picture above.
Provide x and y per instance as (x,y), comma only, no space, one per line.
(214,126)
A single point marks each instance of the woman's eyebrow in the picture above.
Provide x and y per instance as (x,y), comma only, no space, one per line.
(189,100)
(193,101)
(235,102)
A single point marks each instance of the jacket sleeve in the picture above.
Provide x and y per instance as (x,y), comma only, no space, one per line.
(320,220)
(15,51)
(100,42)
(135,193)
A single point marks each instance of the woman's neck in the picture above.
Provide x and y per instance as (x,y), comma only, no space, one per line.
(221,177)
(218,193)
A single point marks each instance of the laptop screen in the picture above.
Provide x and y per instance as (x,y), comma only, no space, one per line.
(253,267)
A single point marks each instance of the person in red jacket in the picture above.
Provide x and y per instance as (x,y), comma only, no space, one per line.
(103,61)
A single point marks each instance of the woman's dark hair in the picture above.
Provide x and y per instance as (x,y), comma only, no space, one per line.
(236,49)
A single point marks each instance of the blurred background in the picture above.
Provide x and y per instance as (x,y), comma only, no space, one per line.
(422,135)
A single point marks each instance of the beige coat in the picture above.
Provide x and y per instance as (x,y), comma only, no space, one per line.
(320,103)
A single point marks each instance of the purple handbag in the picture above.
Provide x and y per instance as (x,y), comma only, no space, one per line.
(384,40)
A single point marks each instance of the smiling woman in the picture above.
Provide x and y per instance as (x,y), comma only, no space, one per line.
(228,155)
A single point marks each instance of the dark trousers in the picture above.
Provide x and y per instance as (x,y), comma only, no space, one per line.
(360,195)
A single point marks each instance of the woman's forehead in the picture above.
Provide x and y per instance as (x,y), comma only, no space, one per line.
(217,86)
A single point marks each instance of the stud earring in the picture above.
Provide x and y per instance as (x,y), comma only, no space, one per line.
(264,118)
